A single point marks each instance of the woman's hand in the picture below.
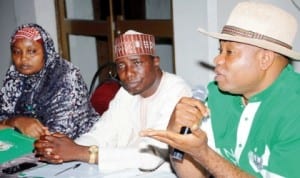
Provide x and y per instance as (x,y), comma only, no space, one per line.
(58,148)
(2,126)
(28,125)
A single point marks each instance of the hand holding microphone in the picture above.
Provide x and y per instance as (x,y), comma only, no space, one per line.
(200,94)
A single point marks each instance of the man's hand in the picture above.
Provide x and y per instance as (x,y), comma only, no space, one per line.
(58,148)
(192,144)
(188,112)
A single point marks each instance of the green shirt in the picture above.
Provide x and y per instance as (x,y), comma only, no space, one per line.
(262,138)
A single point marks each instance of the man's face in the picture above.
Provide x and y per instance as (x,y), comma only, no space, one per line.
(237,68)
(27,56)
(139,74)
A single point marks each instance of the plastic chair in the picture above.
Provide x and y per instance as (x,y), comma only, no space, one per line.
(107,88)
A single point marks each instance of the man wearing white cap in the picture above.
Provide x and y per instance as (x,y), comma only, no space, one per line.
(146,100)
(254,123)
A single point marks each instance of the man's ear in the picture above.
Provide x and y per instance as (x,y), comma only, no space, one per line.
(267,59)
(156,60)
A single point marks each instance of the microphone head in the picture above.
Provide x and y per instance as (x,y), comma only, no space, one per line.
(200,93)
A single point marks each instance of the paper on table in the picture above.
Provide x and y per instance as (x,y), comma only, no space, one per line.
(48,171)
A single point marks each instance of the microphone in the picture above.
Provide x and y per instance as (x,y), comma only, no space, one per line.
(199,93)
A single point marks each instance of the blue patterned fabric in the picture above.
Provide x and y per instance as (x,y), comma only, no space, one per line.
(57,95)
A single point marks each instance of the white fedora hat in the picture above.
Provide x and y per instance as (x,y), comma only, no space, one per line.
(262,25)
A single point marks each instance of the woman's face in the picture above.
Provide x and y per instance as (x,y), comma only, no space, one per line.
(28,56)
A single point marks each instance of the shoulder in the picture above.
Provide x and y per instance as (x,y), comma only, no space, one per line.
(172,86)
(63,68)
(62,65)
(172,80)
(123,95)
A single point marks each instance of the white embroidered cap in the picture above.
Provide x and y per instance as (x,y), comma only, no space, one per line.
(134,43)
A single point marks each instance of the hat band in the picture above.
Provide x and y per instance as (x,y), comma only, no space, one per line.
(235,31)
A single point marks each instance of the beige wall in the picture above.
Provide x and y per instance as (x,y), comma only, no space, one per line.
(190,46)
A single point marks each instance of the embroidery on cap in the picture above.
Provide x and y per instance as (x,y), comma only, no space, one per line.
(137,44)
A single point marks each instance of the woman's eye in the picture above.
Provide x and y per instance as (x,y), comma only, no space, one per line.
(16,52)
(31,52)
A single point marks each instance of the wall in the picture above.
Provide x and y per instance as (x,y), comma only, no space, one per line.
(7,23)
(161,9)
(83,52)
(85,56)
(190,46)
(16,12)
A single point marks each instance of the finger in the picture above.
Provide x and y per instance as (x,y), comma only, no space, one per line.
(57,134)
(185,117)
(35,133)
(146,132)
(48,138)
(46,131)
(164,140)
(170,138)
(50,160)
(41,145)
(40,130)
(196,103)
(38,123)
(197,132)
(187,113)
(204,109)
(52,157)
(45,152)
(32,133)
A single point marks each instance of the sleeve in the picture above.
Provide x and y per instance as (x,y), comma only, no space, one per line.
(104,132)
(5,108)
(112,156)
(9,94)
(69,110)
(154,152)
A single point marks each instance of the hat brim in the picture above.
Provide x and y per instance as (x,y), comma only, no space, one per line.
(255,42)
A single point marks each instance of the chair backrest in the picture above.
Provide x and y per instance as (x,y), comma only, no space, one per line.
(104,72)
(107,88)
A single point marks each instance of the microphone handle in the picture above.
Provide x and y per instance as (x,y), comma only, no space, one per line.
(178,154)
(199,93)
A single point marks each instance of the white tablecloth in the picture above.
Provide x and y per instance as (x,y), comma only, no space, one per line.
(86,170)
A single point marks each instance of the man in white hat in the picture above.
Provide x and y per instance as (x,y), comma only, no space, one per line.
(254,123)
(146,99)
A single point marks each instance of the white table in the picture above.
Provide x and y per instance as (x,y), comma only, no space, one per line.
(86,170)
